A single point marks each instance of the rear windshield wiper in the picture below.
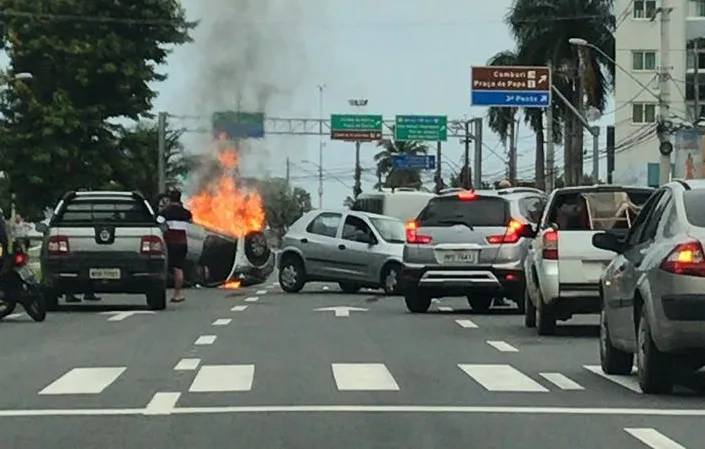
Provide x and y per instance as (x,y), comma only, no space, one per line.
(456,222)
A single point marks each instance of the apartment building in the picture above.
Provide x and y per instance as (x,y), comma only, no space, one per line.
(638,44)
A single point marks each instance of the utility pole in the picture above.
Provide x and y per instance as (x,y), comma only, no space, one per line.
(512,168)
(478,153)
(595,154)
(161,152)
(357,190)
(550,177)
(439,173)
(288,171)
(696,80)
(576,151)
(321,144)
(665,145)
(466,178)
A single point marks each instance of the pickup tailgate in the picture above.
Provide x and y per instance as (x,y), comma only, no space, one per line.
(578,261)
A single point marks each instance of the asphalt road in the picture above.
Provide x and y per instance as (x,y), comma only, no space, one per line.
(260,368)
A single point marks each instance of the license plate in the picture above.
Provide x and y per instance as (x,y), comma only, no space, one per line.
(26,273)
(104,273)
(459,257)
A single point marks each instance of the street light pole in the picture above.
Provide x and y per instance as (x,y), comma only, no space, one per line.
(357,102)
(321,88)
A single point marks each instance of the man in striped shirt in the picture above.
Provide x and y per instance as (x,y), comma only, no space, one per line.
(177,218)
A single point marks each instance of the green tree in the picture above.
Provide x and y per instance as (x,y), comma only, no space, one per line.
(394,177)
(283,205)
(348,202)
(92,62)
(542,29)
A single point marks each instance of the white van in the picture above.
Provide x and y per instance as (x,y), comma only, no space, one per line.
(403,203)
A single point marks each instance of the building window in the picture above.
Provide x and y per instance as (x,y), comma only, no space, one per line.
(643,60)
(644,9)
(697,8)
(643,113)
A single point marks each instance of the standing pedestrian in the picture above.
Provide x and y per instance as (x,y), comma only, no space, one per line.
(177,218)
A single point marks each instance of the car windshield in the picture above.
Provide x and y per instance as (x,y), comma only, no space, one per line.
(480,211)
(390,229)
(86,211)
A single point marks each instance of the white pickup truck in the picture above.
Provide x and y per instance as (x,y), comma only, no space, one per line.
(562,267)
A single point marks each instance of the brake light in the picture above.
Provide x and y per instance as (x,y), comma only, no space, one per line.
(687,259)
(511,235)
(21,259)
(58,245)
(151,245)
(412,235)
(467,195)
(550,245)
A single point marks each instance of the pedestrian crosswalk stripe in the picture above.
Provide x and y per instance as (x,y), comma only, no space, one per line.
(445,309)
(562,381)
(238,308)
(187,365)
(205,340)
(363,377)
(653,438)
(501,378)
(628,382)
(502,346)
(84,381)
(466,324)
(252,299)
(222,322)
(223,378)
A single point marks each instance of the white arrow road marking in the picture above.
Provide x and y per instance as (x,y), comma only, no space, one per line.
(119,316)
(341,311)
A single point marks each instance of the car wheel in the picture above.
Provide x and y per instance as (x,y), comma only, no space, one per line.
(391,277)
(613,360)
(156,299)
(529,311)
(51,297)
(291,274)
(417,301)
(6,308)
(655,368)
(545,318)
(480,304)
(349,287)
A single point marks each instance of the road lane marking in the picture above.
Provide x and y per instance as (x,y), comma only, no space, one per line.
(561,381)
(223,378)
(84,381)
(275,284)
(337,409)
(238,308)
(504,378)
(628,382)
(222,322)
(466,324)
(445,309)
(261,292)
(252,299)
(325,287)
(502,346)
(204,340)
(363,377)
(187,365)
(653,438)
(162,403)
(14,316)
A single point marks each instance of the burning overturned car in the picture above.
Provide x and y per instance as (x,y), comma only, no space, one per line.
(226,243)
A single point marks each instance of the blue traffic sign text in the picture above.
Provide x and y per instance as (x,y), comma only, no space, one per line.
(510,98)
(413,162)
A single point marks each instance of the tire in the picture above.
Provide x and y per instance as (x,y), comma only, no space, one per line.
(655,368)
(545,318)
(156,299)
(36,305)
(6,308)
(391,279)
(292,276)
(51,299)
(612,360)
(256,249)
(480,304)
(417,301)
(529,311)
(348,287)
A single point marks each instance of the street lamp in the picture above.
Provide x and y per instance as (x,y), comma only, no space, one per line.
(359,103)
(321,145)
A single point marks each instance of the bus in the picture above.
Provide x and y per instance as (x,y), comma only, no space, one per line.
(403,203)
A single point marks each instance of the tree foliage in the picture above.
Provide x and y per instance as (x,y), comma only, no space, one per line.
(92,62)
(283,204)
(395,177)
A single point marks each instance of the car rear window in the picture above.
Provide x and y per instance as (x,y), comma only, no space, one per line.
(480,211)
(115,211)
(694,202)
(593,209)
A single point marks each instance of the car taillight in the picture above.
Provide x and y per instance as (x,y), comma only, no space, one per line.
(58,245)
(511,235)
(412,235)
(151,244)
(467,195)
(21,259)
(550,245)
(687,259)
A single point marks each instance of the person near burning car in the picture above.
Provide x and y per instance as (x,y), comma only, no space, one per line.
(177,218)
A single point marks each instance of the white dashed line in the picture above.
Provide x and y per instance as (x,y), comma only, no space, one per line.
(204,340)
(653,438)
(502,346)
(261,292)
(445,309)
(325,287)
(187,365)
(466,324)
(252,299)
(562,382)
(238,309)
(222,322)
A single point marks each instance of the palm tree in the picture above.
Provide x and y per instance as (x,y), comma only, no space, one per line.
(395,177)
(542,29)
(502,121)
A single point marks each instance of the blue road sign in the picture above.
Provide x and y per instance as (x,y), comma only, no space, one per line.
(411,162)
(238,125)
(510,98)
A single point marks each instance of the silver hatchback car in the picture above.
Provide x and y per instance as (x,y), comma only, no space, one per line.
(354,249)
(470,243)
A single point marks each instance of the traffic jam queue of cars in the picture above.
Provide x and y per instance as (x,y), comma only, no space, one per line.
(633,255)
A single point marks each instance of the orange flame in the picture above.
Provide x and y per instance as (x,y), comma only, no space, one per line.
(231,285)
(225,207)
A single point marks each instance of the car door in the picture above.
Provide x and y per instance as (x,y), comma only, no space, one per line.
(629,271)
(353,255)
(319,244)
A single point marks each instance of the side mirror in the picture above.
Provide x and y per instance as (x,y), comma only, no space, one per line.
(41,227)
(528,231)
(608,242)
(161,220)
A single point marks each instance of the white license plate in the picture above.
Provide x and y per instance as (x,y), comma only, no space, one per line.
(459,257)
(104,273)
(26,273)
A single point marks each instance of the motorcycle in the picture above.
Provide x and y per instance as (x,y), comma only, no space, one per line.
(19,285)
